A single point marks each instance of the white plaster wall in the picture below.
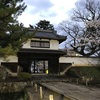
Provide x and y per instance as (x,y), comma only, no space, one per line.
(26,44)
(9,59)
(80,61)
(54,44)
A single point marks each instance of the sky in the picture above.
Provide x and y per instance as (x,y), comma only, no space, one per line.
(54,11)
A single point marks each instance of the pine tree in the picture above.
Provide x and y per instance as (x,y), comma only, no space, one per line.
(12,33)
(44,25)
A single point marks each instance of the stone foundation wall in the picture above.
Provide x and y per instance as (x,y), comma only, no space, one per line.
(12,86)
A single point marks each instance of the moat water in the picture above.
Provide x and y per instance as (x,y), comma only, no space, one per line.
(14,96)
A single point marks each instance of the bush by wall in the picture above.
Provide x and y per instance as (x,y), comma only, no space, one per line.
(24,75)
(90,74)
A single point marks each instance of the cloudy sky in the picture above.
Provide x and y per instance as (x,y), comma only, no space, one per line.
(54,11)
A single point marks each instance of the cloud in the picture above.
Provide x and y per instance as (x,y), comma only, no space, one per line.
(47,14)
(54,11)
(35,6)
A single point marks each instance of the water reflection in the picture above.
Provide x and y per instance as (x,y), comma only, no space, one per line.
(14,96)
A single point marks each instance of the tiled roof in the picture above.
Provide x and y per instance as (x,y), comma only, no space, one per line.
(48,34)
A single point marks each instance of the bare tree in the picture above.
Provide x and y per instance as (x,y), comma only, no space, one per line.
(83,29)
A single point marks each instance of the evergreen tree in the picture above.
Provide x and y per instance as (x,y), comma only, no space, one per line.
(12,33)
(44,25)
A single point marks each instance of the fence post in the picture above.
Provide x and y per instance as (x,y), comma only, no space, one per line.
(41,96)
(36,87)
(50,97)
(77,81)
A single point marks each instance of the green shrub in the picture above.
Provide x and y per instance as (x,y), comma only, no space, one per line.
(72,73)
(87,72)
(24,75)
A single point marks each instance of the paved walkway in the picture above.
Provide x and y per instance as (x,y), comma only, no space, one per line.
(35,95)
(76,92)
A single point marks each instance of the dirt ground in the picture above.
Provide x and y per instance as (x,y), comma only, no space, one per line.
(76,92)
